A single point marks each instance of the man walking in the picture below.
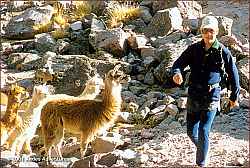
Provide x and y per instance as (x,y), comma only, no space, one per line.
(205,61)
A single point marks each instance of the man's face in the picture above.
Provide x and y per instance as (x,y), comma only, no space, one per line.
(209,35)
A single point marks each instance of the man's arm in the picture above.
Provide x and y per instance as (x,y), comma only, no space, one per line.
(180,64)
(233,77)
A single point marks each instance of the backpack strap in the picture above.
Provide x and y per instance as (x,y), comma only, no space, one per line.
(222,59)
(224,75)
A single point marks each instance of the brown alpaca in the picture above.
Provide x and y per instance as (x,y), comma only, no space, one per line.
(10,119)
(23,133)
(84,117)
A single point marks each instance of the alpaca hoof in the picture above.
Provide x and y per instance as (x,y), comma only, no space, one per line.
(32,154)
(5,146)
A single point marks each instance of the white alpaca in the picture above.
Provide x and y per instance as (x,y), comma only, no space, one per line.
(21,136)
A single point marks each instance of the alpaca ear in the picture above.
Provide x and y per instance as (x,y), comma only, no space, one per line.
(14,87)
(35,89)
(117,67)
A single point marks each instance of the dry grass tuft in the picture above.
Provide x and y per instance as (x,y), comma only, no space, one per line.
(81,9)
(59,15)
(122,13)
(59,34)
(42,28)
(60,20)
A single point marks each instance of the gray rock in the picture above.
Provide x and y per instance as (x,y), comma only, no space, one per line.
(24,61)
(148,51)
(128,96)
(132,107)
(225,25)
(164,22)
(105,144)
(108,159)
(172,38)
(124,117)
(157,94)
(145,14)
(137,90)
(172,109)
(190,9)
(76,26)
(158,109)
(137,41)
(168,99)
(147,134)
(62,46)
(149,78)
(21,26)
(45,42)
(182,102)
(136,25)
(112,40)
(128,154)
(243,67)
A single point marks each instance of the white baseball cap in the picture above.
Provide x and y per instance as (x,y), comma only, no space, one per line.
(209,22)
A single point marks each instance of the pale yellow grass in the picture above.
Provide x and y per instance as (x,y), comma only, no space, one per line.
(122,13)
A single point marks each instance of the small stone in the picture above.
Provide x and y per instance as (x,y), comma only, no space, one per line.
(239,161)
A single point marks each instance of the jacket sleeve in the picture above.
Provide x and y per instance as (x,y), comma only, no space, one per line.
(182,62)
(233,75)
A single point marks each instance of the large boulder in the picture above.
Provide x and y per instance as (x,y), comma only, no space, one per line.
(113,41)
(164,22)
(225,25)
(23,61)
(243,67)
(65,68)
(188,9)
(45,42)
(22,26)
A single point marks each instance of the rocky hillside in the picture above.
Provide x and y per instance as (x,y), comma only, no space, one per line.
(63,44)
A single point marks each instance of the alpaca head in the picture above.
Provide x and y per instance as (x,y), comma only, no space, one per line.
(17,92)
(116,76)
(40,91)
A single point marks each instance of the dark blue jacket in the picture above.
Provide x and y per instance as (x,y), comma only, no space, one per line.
(206,69)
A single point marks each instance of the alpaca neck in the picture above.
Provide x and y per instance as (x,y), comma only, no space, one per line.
(34,102)
(112,96)
(11,111)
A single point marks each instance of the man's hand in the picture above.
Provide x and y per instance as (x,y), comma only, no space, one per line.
(233,104)
(177,78)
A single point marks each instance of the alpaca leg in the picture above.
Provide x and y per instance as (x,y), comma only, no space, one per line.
(26,147)
(49,142)
(19,145)
(59,139)
(9,142)
(58,146)
(48,139)
(58,150)
(4,135)
(84,145)
(48,148)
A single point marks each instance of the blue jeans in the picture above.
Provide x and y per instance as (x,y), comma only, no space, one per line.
(200,116)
